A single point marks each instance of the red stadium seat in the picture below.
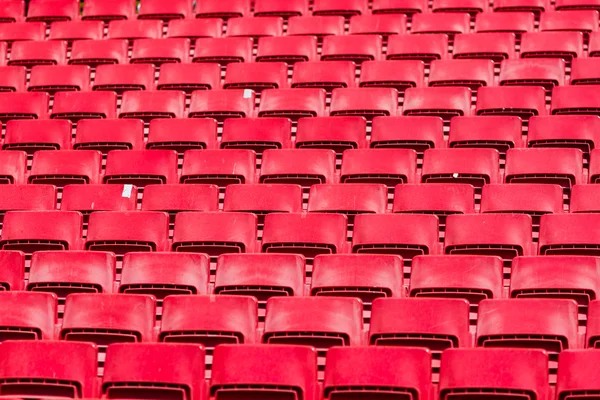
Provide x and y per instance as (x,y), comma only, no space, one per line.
(105,135)
(287,49)
(585,21)
(441,22)
(575,100)
(28,316)
(258,134)
(418,47)
(163,370)
(444,102)
(23,106)
(224,10)
(365,102)
(158,9)
(33,135)
(593,327)
(108,318)
(182,134)
(594,167)
(141,168)
(60,168)
(265,371)
(407,7)
(350,200)
(300,167)
(437,324)
(266,8)
(366,276)
(356,48)
(174,199)
(260,275)
(84,105)
(256,76)
(18,31)
(578,131)
(521,101)
(164,274)
(30,53)
(160,51)
(67,272)
(337,134)
(215,233)
(576,373)
(465,73)
(52,10)
(98,52)
(584,71)
(386,166)
(477,167)
(384,25)
(48,368)
(13,270)
(345,8)
(209,320)
(533,6)
(132,30)
(219,167)
(263,199)
(189,77)
(546,72)
(500,133)
(365,371)
(319,26)
(223,50)
(13,165)
(517,373)
(255,28)
(59,78)
(124,77)
(108,10)
(12,11)
(584,199)
(417,133)
(571,277)
(472,7)
(577,5)
(77,30)
(326,75)
(310,235)
(563,45)
(503,235)
(91,198)
(550,325)
(495,46)
(292,103)
(222,104)
(151,105)
(27,198)
(473,278)
(195,28)
(12,79)
(30,231)
(569,234)
(123,231)
(399,75)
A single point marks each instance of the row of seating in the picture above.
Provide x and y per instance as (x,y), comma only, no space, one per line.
(263,276)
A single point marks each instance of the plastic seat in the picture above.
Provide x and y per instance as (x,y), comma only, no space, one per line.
(23,106)
(532,199)
(105,135)
(399,75)
(418,47)
(472,7)
(67,272)
(580,99)
(500,133)
(59,78)
(584,71)
(17,31)
(160,51)
(209,320)
(578,131)
(13,165)
(30,231)
(569,234)
(258,134)
(223,50)
(141,168)
(28,316)
(576,374)
(344,8)
(441,22)
(263,199)
(182,134)
(224,10)
(364,371)
(547,73)
(444,102)
(407,7)
(292,103)
(593,328)
(222,104)
(326,75)
(549,324)
(33,135)
(108,318)
(503,235)
(165,274)
(158,9)
(577,5)
(256,77)
(195,28)
(515,22)
(300,167)
(437,324)
(255,28)
(517,373)
(287,49)
(13,79)
(477,167)
(215,233)
(174,199)
(321,322)
(60,168)
(48,368)
(27,198)
(407,235)
(75,106)
(77,30)
(13,270)
(310,235)
(124,77)
(189,77)
(386,166)
(219,167)
(267,8)
(473,278)
(91,198)
(366,276)
(364,102)
(562,45)
(550,166)
(319,26)
(384,25)
(260,275)
(99,52)
(108,10)
(350,200)
(533,6)
(152,105)
(164,370)
(356,48)
(521,101)
(495,46)
(594,167)
(570,277)
(265,371)
(30,53)
(133,30)
(417,133)
(52,10)
(13,11)
(464,73)
(337,134)
(584,199)
(585,21)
